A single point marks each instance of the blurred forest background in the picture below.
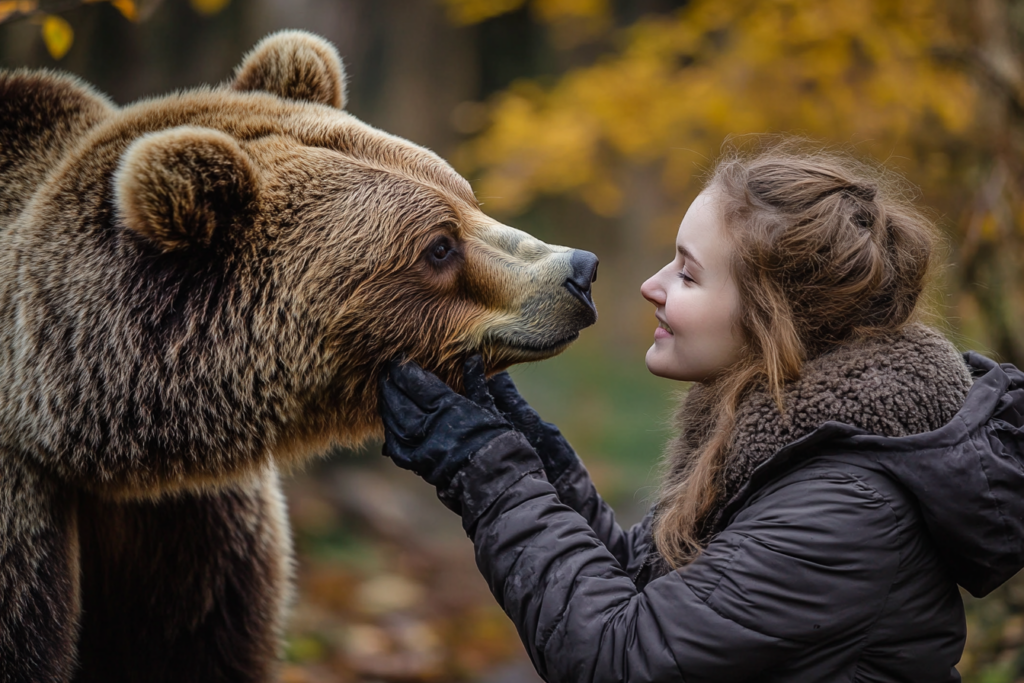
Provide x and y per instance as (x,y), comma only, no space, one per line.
(589,123)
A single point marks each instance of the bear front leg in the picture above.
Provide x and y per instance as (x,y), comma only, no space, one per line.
(186,588)
(39,589)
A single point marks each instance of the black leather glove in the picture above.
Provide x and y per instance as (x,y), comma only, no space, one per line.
(554,451)
(432,430)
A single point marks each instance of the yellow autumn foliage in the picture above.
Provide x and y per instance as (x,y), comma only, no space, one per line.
(835,70)
(554,10)
(128,8)
(466,12)
(12,7)
(57,35)
(208,7)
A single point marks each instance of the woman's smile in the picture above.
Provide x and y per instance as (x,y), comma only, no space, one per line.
(662,330)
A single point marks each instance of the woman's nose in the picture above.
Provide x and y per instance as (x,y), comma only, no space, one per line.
(652,291)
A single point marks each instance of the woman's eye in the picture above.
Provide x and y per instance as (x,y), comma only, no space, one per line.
(685,277)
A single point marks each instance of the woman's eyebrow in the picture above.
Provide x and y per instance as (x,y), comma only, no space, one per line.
(687,254)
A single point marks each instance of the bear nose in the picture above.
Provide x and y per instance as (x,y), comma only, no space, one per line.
(583,267)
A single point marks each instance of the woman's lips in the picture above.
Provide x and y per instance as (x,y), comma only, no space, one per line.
(662,331)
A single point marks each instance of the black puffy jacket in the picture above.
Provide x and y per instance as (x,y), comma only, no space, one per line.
(837,561)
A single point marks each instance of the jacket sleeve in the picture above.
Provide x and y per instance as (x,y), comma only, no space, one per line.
(630,548)
(812,560)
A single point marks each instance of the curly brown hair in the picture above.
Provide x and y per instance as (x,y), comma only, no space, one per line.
(825,250)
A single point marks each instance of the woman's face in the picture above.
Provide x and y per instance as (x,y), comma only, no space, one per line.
(696,300)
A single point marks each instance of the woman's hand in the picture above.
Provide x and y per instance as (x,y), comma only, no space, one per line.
(554,451)
(432,430)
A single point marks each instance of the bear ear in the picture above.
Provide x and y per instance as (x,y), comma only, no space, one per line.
(179,187)
(296,65)
(44,104)
(42,115)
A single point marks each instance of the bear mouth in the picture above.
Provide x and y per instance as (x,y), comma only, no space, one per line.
(535,349)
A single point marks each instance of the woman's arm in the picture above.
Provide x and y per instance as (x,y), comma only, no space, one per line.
(567,473)
(811,561)
(629,547)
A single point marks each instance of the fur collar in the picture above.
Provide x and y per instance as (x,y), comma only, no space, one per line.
(906,383)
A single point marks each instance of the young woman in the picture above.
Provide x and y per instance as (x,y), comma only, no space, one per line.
(836,473)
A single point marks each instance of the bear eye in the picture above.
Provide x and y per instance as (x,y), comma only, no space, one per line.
(440,250)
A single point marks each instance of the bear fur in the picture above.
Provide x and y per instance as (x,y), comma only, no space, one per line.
(196,291)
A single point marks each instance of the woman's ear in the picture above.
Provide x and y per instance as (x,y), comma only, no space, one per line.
(295,65)
(179,187)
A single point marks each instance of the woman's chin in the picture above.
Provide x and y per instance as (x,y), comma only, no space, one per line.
(662,363)
(656,364)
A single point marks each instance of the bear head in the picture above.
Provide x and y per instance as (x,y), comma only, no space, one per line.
(200,281)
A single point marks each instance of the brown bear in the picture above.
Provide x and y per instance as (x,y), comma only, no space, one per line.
(196,290)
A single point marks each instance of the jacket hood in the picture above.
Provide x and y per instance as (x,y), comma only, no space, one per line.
(967,475)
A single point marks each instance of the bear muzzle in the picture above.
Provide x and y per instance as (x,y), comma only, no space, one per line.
(549,303)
